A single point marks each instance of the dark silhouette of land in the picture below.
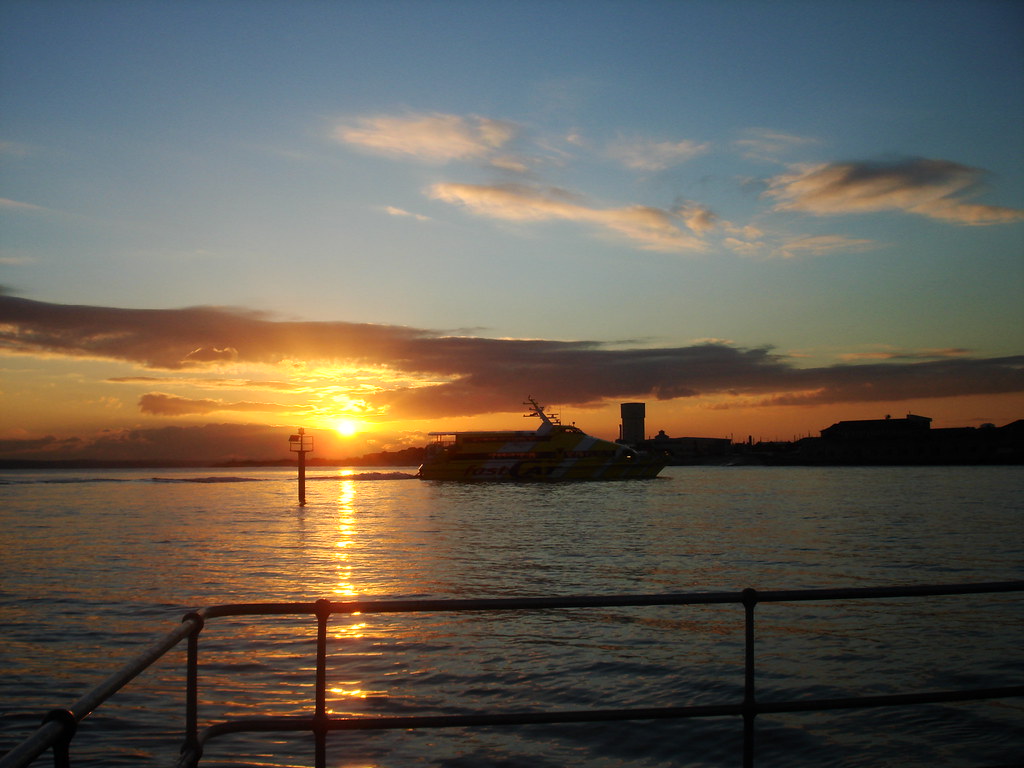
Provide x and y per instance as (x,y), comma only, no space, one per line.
(888,441)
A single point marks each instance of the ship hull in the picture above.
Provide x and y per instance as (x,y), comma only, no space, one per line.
(512,470)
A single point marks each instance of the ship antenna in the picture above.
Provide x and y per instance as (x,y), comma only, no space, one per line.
(536,409)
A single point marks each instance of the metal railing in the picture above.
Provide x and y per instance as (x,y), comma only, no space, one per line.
(59,726)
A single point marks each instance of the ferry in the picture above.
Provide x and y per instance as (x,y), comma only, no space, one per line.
(554,451)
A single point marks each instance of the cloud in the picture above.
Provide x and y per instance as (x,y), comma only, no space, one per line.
(434,138)
(160,404)
(207,443)
(444,375)
(393,211)
(819,245)
(891,353)
(647,227)
(14,205)
(194,338)
(646,155)
(763,144)
(15,149)
(697,217)
(208,383)
(932,188)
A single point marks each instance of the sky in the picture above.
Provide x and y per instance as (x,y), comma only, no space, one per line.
(220,221)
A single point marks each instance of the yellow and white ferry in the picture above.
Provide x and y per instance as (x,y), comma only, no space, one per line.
(554,451)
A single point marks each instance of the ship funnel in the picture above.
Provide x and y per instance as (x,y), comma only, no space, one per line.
(632,429)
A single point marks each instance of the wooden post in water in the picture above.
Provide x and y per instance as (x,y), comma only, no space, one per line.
(301,444)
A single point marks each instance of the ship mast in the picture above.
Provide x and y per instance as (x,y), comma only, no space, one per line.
(537,410)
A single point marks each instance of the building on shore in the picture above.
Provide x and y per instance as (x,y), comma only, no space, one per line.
(888,441)
(911,440)
(676,450)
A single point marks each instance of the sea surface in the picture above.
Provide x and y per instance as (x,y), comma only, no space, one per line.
(97,565)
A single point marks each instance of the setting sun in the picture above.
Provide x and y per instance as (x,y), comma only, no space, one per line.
(346,427)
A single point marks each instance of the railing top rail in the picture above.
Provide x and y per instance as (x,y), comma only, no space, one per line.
(432,605)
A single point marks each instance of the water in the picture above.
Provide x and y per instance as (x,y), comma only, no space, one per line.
(98,564)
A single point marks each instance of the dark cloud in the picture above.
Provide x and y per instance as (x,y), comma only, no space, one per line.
(472,375)
(207,443)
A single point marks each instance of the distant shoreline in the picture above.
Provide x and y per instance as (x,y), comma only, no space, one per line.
(13,464)
(410,457)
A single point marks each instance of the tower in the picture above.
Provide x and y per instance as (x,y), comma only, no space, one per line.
(632,430)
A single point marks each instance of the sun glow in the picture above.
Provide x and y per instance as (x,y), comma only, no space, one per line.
(346,427)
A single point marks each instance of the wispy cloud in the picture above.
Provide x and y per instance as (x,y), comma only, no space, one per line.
(697,217)
(393,211)
(15,205)
(893,353)
(932,188)
(765,145)
(819,245)
(453,376)
(15,149)
(208,382)
(938,189)
(434,137)
(647,227)
(647,155)
(161,404)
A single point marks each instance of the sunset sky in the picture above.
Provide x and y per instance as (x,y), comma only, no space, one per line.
(220,221)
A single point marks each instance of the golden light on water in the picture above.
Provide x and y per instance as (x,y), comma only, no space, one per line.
(346,533)
(353,627)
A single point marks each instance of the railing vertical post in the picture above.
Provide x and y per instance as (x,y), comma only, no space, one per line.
(62,745)
(323,613)
(749,696)
(191,742)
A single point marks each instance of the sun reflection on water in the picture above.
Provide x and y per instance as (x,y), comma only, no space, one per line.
(346,537)
(348,630)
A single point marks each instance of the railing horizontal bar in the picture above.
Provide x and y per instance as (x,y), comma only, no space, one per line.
(854,593)
(461,721)
(271,724)
(605,601)
(428,605)
(891,700)
(47,734)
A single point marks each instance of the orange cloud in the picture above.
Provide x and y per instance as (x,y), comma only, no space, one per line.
(160,404)
(933,188)
(650,228)
(435,137)
(818,245)
(645,155)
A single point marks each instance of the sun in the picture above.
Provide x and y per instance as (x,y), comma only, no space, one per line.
(346,427)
